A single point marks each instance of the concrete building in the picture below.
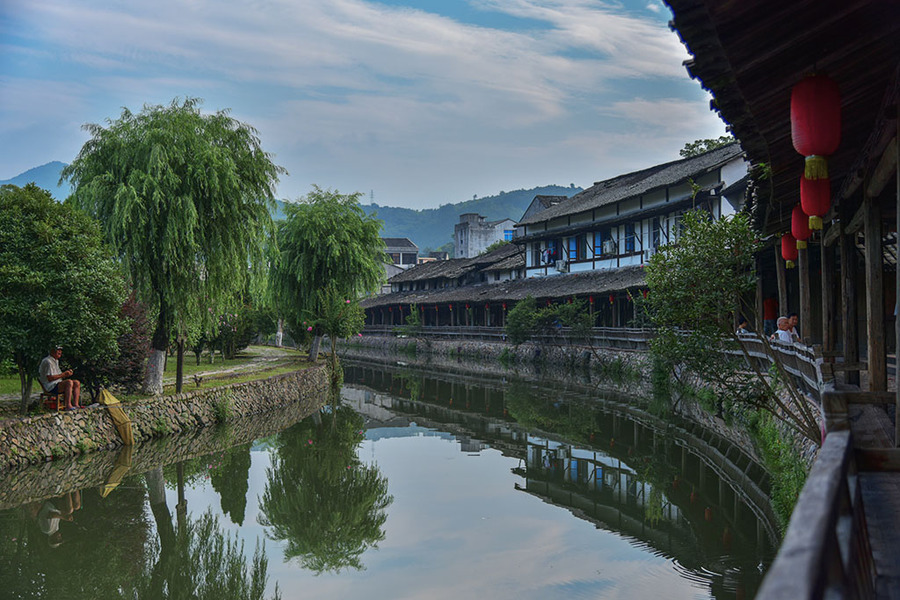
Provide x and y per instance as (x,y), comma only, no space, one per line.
(403,252)
(472,235)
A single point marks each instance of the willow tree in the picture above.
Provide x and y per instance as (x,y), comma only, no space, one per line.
(184,199)
(326,241)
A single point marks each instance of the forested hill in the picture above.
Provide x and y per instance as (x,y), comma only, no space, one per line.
(428,228)
(45,176)
(431,228)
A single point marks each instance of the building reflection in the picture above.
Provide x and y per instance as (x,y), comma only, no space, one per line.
(665,485)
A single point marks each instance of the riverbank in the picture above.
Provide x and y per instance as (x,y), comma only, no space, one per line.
(47,436)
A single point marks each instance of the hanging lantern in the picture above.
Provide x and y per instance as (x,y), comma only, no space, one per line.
(816,122)
(590,299)
(611,298)
(504,306)
(800,226)
(789,250)
(645,293)
(815,199)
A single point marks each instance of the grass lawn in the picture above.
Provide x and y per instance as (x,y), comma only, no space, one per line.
(251,363)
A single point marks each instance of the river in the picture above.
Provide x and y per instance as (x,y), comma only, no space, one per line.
(422,484)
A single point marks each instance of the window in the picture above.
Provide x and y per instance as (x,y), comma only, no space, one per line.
(629,237)
(598,243)
(581,243)
(508,235)
(655,239)
(610,247)
(536,259)
(573,248)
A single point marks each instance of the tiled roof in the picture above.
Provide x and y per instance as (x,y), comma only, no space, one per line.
(399,243)
(455,267)
(637,183)
(553,286)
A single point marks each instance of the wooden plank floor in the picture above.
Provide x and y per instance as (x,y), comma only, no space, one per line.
(881,499)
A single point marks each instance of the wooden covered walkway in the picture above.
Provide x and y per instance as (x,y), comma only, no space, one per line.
(844,537)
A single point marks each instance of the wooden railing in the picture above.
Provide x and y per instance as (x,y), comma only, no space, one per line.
(826,552)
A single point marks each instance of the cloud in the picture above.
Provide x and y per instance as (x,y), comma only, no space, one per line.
(358,95)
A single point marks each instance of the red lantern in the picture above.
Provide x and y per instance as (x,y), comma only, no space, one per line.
(611,298)
(504,306)
(816,122)
(590,299)
(815,199)
(789,250)
(800,226)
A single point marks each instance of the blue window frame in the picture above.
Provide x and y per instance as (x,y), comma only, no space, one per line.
(629,237)
(508,235)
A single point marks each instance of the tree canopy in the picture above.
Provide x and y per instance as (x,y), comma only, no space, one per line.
(184,198)
(59,283)
(696,286)
(700,146)
(326,241)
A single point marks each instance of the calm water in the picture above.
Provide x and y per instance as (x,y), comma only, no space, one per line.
(419,486)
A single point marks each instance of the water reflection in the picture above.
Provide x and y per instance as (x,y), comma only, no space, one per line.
(439,486)
(320,500)
(667,486)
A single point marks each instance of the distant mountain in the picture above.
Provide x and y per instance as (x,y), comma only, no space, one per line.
(46,177)
(429,228)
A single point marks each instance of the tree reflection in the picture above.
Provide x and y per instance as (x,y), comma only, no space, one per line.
(320,499)
(199,561)
(231,480)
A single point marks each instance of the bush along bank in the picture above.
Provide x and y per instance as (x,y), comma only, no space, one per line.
(70,433)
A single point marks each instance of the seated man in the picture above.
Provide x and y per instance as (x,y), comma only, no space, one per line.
(784,331)
(55,381)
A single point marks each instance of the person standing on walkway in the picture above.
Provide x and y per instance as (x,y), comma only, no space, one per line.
(53,380)
(793,319)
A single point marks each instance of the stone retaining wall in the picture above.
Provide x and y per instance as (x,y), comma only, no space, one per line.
(69,433)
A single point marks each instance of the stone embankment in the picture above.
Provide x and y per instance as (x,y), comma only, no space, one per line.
(55,435)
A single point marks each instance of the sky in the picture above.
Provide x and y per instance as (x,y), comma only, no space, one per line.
(414,103)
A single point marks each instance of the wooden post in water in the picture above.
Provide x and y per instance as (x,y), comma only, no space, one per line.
(850,334)
(782,283)
(828,322)
(877,360)
(806,328)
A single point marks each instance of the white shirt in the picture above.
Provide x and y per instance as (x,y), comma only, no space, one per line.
(785,336)
(49,366)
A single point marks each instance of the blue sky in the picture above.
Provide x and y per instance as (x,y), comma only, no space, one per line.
(423,102)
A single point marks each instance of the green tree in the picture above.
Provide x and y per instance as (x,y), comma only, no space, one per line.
(526,320)
(58,283)
(326,240)
(700,146)
(184,199)
(695,286)
(339,318)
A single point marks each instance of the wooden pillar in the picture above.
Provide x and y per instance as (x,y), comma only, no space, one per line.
(828,314)
(782,282)
(758,324)
(877,356)
(806,328)
(850,334)
(897,278)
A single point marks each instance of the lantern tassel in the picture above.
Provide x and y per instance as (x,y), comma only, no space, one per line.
(801,244)
(815,223)
(816,167)
(789,264)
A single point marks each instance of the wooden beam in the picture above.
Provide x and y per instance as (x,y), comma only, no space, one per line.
(758,325)
(828,313)
(849,366)
(857,222)
(877,358)
(782,283)
(877,459)
(853,397)
(885,170)
(806,327)
(850,333)
(832,235)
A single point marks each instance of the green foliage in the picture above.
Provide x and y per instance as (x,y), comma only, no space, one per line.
(184,199)
(58,283)
(783,463)
(320,499)
(222,408)
(696,284)
(495,246)
(527,320)
(326,241)
(160,427)
(413,323)
(701,146)
(230,478)
(203,562)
